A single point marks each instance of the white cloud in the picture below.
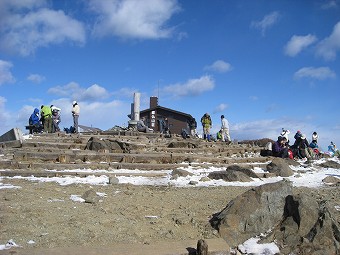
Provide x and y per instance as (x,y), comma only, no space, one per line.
(192,87)
(94,92)
(297,43)
(76,92)
(319,73)
(5,73)
(5,117)
(134,18)
(267,22)
(71,89)
(36,78)
(328,47)
(26,27)
(125,92)
(329,5)
(19,4)
(254,98)
(220,108)
(219,66)
(103,115)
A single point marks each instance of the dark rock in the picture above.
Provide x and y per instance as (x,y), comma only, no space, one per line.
(116,146)
(330,164)
(241,169)
(230,176)
(193,183)
(113,180)
(298,224)
(331,180)
(280,167)
(90,196)
(182,144)
(308,227)
(254,212)
(180,172)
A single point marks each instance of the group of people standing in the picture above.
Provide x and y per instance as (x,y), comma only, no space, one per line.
(48,118)
(223,133)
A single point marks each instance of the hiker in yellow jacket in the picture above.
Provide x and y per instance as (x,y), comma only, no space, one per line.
(46,118)
(206,123)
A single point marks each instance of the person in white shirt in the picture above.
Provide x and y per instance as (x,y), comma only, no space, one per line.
(75,114)
(285,133)
(225,129)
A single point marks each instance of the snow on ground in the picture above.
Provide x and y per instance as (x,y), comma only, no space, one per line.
(308,176)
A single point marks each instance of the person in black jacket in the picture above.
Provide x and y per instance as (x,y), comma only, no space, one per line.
(193,125)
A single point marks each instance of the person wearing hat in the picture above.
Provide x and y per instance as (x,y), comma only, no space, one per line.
(206,124)
(303,151)
(225,130)
(280,148)
(75,115)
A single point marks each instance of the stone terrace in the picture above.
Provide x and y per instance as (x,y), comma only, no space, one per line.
(131,150)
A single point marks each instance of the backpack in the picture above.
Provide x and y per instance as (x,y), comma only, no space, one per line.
(30,122)
(290,154)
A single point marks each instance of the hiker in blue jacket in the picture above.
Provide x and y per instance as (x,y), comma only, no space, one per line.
(34,120)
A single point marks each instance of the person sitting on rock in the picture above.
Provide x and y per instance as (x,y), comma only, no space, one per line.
(301,148)
(34,120)
(141,127)
(279,148)
(333,150)
(314,143)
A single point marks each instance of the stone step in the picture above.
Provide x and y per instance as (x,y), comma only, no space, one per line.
(184,247)
(92,156)
(50,174)
(9,164)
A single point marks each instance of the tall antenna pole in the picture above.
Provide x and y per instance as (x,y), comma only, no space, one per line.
(158,90)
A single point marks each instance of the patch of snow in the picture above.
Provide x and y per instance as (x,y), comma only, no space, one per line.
(77,198)
(10,243)
(251,246)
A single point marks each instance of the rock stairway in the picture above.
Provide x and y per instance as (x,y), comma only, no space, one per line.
(119,150)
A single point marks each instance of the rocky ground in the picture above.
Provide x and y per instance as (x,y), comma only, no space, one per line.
(45,214)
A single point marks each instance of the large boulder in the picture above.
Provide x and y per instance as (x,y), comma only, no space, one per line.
(182,144)
(330,164)
(115,146)
(234,173)
(230,176)
(297,223)
(280,167)
(180,172)
(307,227)
(244,170)
(254,212)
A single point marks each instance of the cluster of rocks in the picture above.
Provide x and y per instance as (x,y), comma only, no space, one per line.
(297,223)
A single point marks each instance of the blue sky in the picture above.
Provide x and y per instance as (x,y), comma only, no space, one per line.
(265,65)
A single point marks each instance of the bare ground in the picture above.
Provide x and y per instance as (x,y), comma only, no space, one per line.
(45,214)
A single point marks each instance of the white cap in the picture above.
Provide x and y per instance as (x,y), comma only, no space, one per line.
(74,102)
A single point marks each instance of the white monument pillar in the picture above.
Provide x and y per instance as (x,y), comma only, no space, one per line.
(136,106)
